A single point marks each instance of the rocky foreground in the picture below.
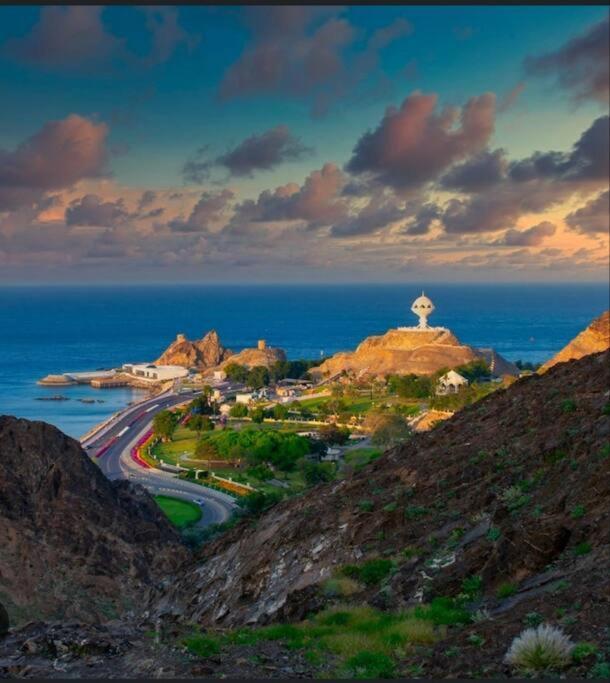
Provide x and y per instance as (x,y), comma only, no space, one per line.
(509,497)
(74,545)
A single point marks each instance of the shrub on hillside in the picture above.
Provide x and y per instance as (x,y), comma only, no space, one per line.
(535,650)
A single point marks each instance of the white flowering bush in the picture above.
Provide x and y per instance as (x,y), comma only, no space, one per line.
(544,648)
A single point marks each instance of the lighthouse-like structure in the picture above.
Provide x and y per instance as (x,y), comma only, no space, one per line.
(423,308)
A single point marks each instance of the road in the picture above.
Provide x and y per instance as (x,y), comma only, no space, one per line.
(111,449)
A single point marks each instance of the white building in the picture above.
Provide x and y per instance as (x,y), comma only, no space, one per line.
(243,398)
(219,375)
(450,383)
(155,373)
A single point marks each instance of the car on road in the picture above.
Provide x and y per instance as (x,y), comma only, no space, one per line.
(199,501)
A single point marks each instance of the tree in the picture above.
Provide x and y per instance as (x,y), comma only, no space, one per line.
(239,410)
(331,435)
(387,429)
(258,501)
(317,473)
(236,372)
(280,412)
(200,405)
(410,386)
(205,450)
(475,370)
(200,423)
(164,423)
(258,377)
(257,415)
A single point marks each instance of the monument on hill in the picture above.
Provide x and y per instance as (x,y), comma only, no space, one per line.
(423,309)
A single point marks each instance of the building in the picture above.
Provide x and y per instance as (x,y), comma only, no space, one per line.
(155,373)
(244,398)
(219,375)
(450,383)
(423,308)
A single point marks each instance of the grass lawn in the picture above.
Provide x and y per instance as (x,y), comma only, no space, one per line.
(181,513)
(183,440)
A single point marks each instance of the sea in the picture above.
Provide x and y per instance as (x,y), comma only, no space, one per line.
(56,329)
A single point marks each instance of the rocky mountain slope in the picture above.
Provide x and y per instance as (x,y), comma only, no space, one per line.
(502,508)
(405,351)
(594,338)
(203,353)
(72,543)
(519,461)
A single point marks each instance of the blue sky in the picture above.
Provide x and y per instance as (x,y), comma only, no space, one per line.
(160,105)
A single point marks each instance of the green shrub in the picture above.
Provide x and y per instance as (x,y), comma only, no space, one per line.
(415,511)
(583,650)
(583,548)
(390,507)
(370,665)
(578,512)
(493,534)
(371,572)
(202,646)
(506,590)
(472,587)
(568,406)
(443,611)
(600,670)
(366,505)
(533,619)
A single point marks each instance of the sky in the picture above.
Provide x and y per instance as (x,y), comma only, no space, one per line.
(303,144)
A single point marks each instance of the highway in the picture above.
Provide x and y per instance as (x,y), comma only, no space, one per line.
(111,448)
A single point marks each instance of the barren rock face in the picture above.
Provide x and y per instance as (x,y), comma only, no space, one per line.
(594,338)
(506,474)
(202,353)
(72,543)
(421,352)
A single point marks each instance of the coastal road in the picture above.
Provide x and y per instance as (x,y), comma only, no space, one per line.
(111,449)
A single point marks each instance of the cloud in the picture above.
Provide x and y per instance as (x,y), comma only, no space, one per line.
(412,145)
(581,66)
(422,222)
(317,202)
(529,185)
(588,160)
(477,173)
(92,210)
(302,52)
(257,153)
(66,37)
(510,98)
(166,34)
(210,209)
(60,154)
(74,38)
(147,198)
(380,212)
(593,217)
(531,237)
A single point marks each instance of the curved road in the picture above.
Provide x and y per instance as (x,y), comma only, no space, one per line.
(111,448)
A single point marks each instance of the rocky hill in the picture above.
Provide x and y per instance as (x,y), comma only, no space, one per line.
(405,351)
(72,543)
(203,353)
(262,355)
(594,338)
(500,513)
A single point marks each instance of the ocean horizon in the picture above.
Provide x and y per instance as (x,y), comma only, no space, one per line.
(63,328)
